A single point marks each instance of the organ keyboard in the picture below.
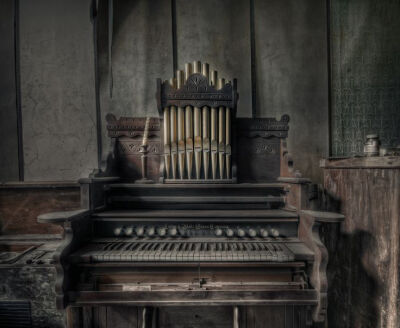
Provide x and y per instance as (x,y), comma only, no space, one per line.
(218,218)
(185,251)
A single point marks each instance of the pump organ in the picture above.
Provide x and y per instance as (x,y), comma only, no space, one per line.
(197,207)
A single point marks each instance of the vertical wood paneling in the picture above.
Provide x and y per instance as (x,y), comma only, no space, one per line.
(365,254)
(265,316)
(57,89)
(291,65)
(8,109)
(196,317)
(217,32)
(122,316)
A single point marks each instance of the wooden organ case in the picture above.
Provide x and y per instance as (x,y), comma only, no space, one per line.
(196,208)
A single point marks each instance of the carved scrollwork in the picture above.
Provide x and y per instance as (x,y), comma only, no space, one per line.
(265,148)
(264,127)
(132,127)
(198,92)
(134,148)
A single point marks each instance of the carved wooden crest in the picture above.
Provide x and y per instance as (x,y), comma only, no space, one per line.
(131,126)
(264,127)
(198,92)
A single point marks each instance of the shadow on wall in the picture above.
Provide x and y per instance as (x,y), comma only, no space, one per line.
(354,286)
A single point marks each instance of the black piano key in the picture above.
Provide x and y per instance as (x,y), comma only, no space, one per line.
(134,246)
(126,246)
(141,246)
(261,246)
(119,246)
(107,246)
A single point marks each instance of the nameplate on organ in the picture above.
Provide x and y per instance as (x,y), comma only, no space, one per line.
(198,110)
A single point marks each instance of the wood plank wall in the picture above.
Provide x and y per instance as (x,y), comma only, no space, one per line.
(21,203)
(363,270)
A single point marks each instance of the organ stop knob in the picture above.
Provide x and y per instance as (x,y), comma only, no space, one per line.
(264,233)
(150,231)
(161,231)
(218,232)
(128,231)
(182,231)
(229,232)
(117,231)
(241,232)
(139,231)
(274,232)
(172,231)
(252,232)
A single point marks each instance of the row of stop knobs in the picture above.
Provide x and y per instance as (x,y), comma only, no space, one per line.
(247,232)
(173,231)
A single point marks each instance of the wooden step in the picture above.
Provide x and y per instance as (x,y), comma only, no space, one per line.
(244,189)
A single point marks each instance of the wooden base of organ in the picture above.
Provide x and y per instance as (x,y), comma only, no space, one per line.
(242,240)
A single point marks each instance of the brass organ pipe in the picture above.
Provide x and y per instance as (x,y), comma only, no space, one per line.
(181,129)
(206,127)
(214,119)
(188,70)
(235,317)
(221,134)
(198,147)
(189,128)
(167,138)
(174,146)
(228,146)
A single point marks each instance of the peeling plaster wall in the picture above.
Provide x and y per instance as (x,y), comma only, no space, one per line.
(217,32)
(141,52)
(292,75)
(57,89)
